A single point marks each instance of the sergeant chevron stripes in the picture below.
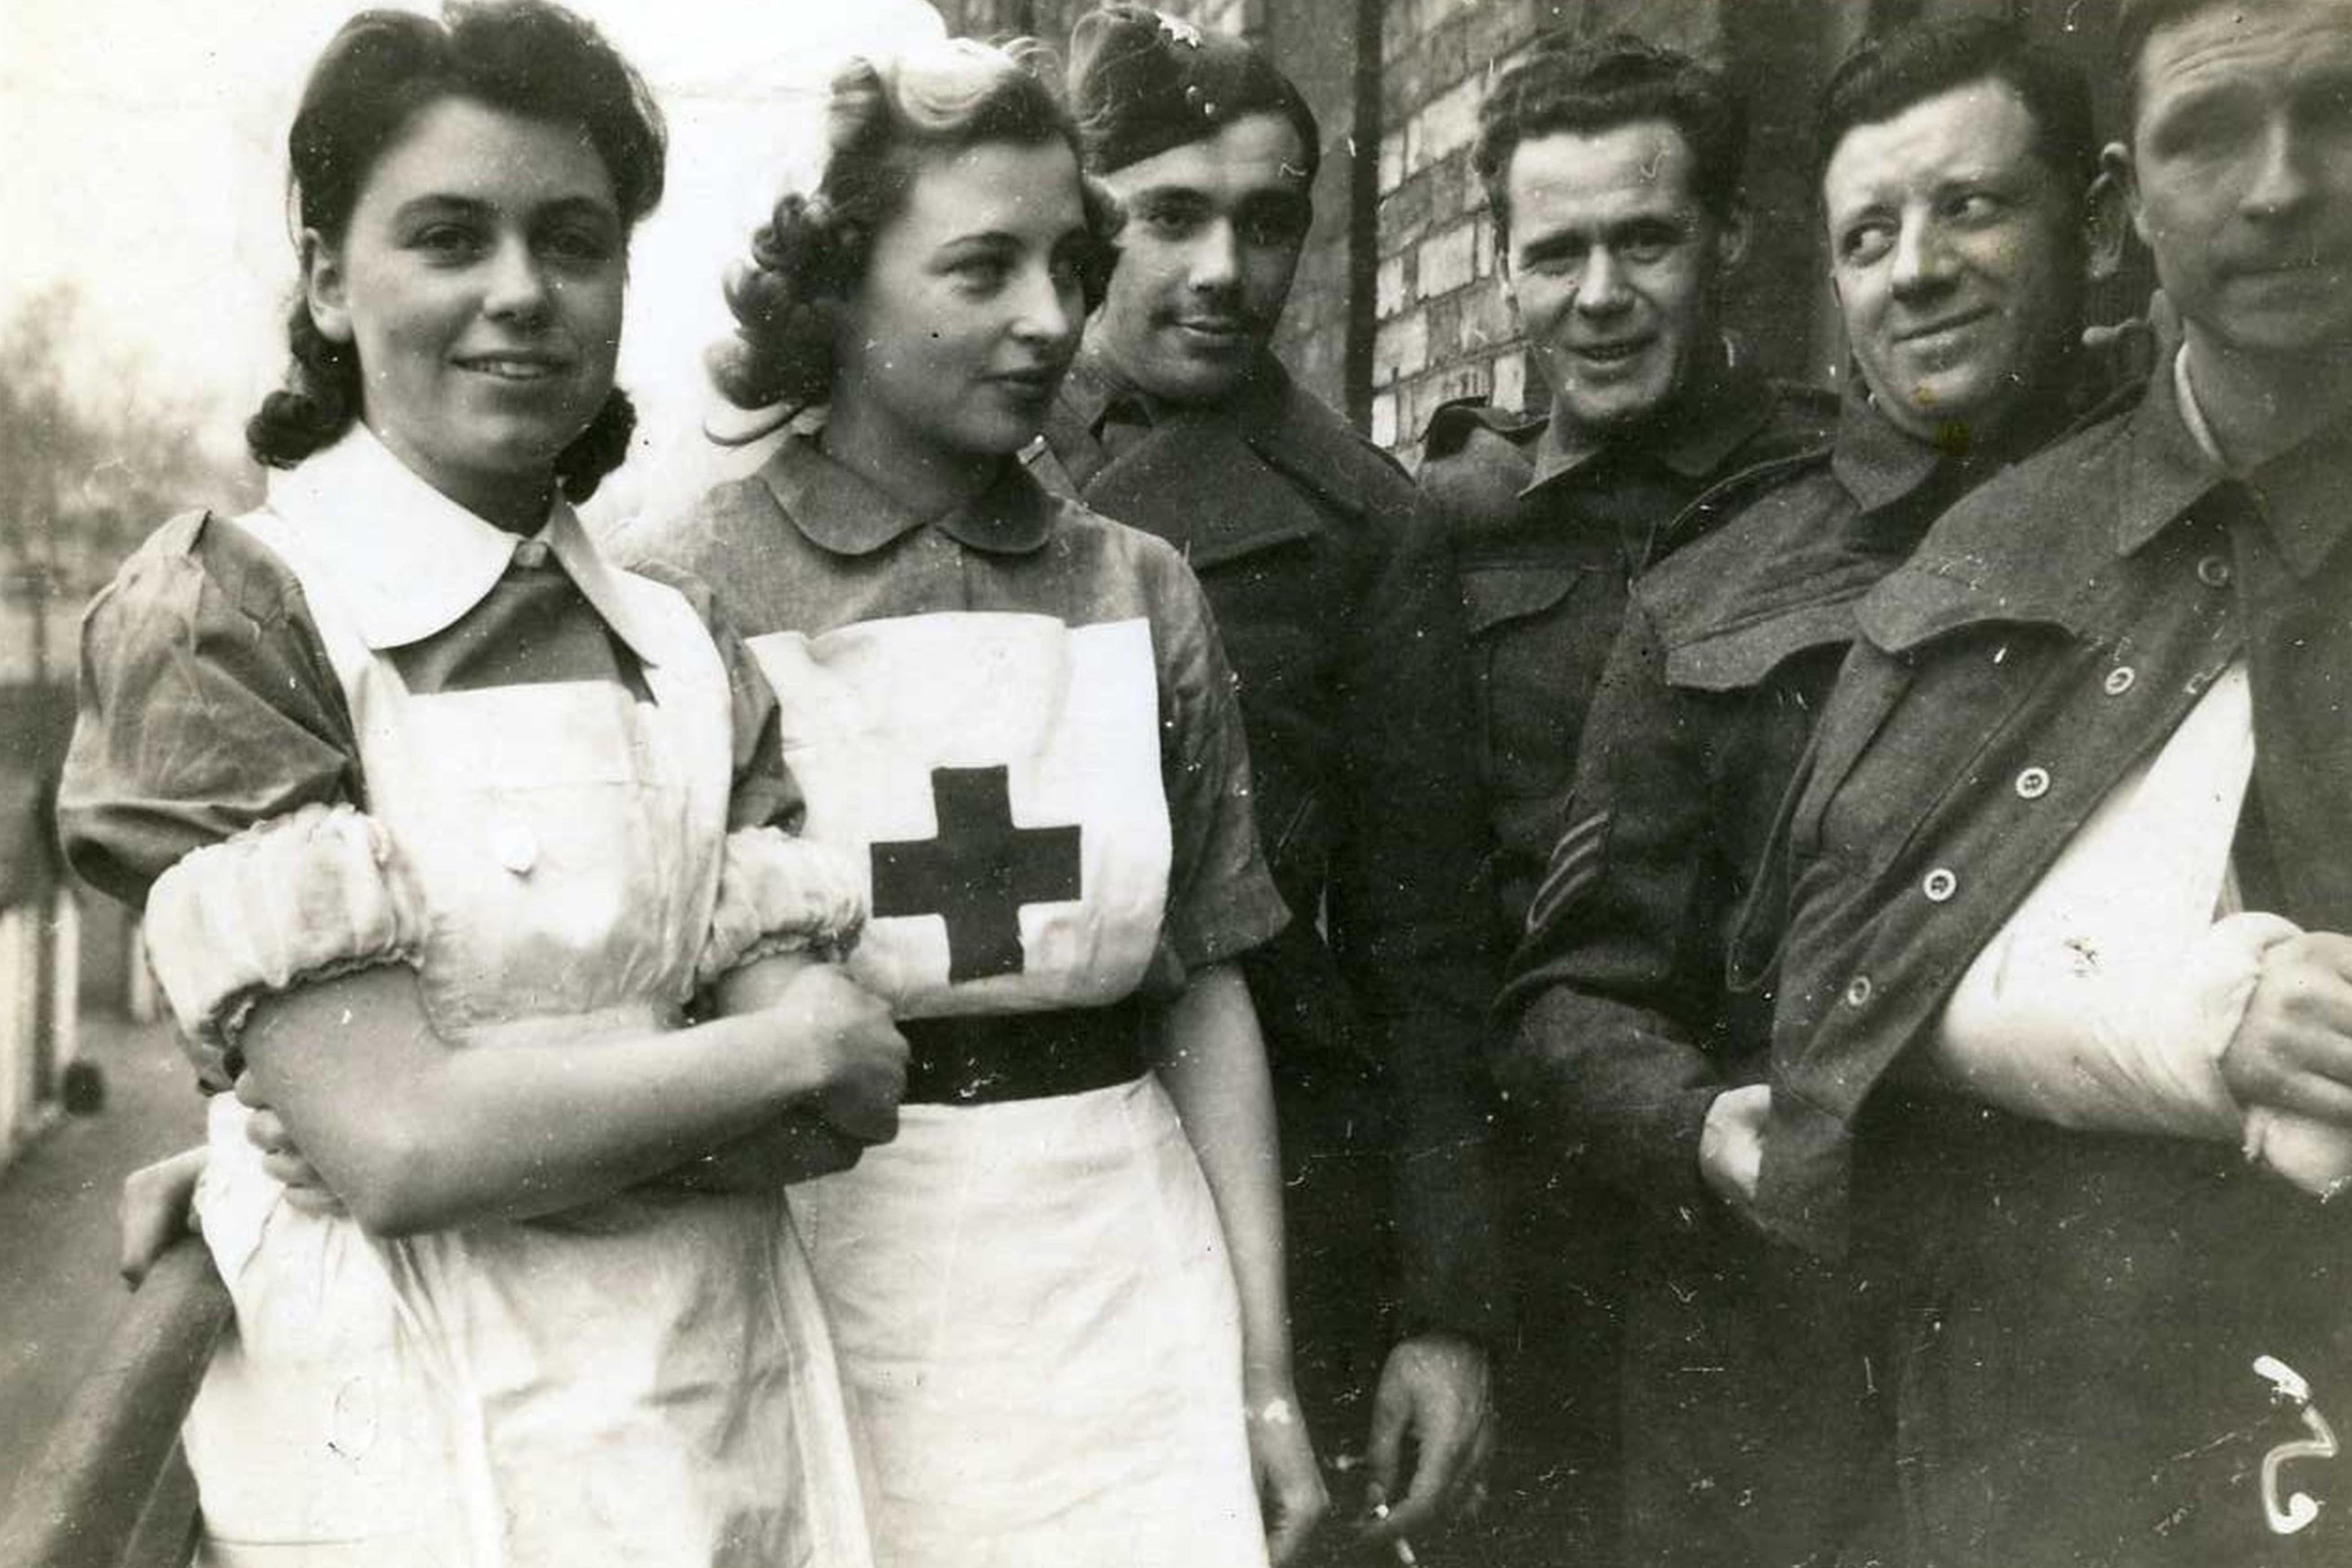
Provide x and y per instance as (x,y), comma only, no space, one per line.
(1575,861)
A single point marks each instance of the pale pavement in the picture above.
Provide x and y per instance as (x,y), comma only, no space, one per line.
(59,1293)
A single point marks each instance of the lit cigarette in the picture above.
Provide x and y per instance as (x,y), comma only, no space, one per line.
(1404,1547)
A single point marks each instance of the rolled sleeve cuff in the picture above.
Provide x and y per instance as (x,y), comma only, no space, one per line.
(1248,914)
(293,900)
(780,894)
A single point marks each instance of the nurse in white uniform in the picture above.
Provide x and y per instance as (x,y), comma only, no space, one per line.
(445,827)
(1059,1294)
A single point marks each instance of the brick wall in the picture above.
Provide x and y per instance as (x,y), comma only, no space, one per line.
(1316,43)
(1325,335)
(1443,327)
(1397,307)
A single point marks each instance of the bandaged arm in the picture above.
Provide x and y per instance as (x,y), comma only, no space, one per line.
(2107,1000)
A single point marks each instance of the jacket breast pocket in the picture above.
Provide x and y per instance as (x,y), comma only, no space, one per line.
(1279,608)
(1897,749)
(1539,638)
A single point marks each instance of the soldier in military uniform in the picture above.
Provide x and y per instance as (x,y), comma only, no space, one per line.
(1953,169)
(1337,605)
(1612,170)
(2065,1033)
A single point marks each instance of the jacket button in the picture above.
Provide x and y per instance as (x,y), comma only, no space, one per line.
(2120,680)
(530,554)
(2213,572)
(1857,991)
(2033,783)
(1939,885)
(515,847)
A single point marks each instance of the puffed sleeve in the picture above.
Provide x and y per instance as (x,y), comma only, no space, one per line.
(1221,899)
(206,705)
(300,899)
(207,708)
(778,894)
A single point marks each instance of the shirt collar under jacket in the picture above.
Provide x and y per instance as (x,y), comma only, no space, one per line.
(2300,493)
(1089,388)
(1876,462)
(1732,407)
(1093,388)
(839,510)
(412,561)
(2165,466)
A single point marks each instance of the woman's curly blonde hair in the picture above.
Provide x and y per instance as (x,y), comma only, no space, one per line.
(884,116)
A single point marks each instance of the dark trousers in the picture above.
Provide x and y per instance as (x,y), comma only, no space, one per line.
(1755,1435)
(1554,1490)
(1694,1400)
(1339,1200)
(2077,1321)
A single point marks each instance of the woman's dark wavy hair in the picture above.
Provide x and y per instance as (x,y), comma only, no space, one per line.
(527,58)
(885,117)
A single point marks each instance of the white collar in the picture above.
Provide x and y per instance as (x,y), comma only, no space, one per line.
(410,562)
(2192,414)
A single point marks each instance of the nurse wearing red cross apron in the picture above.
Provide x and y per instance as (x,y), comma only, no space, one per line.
(430,810)
(1058,1294)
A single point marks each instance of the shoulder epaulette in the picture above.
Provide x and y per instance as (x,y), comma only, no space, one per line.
(1814,405)
(1806,396)
(1736,491)
(1450,426)
(2119,399)
(1311,443)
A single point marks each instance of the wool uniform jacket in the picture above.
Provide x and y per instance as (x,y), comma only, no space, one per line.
(2051,630)
(1337,603)
(1549,544)
(2088,1314)
(1643,987)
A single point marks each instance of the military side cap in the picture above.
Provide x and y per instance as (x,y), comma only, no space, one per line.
(1143,82)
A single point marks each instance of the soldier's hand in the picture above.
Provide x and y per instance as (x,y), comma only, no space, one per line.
(1731,1144)
(1434,1390)
(798,1147)
(2293,1050)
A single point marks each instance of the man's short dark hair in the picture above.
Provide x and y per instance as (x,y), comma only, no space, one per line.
(1883,76)
(1583,87)
(2135,21)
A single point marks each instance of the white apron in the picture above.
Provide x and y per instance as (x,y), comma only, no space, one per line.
(1031,1299)
(647,1380)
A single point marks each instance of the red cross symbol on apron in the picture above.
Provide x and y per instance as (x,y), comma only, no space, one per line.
(978,872)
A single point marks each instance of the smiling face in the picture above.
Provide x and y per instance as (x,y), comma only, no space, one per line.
(2241,174)
(480,279)
(1614,266)
(955,340)
(1958,257)
(1213,237)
